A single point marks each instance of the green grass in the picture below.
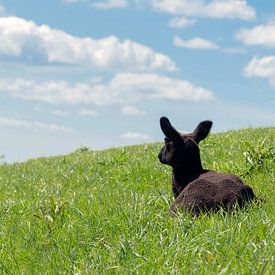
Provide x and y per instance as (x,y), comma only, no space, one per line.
(108,212)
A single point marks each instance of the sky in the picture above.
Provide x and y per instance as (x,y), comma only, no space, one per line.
(100,73)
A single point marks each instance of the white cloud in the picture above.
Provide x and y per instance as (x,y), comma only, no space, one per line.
(150,86)
(195,43)
(56,92)
(181,22)
(32,125)
(24,39)
(122,89)
(263,35)
(110,4)
(262,67)
(230,9)
(88,112)
(132,111)
(133,136)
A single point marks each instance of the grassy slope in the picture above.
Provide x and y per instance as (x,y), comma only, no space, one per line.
(108,211)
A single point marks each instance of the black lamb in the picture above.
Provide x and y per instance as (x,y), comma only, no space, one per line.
(196,189)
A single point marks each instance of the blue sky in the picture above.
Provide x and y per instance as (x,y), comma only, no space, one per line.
(100,73)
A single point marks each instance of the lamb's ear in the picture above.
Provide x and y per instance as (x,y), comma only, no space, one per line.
(202,130)
(168,130)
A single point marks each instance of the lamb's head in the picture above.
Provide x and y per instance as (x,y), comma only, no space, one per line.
(181,149)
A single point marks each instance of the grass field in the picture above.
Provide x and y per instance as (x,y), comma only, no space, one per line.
(108,212)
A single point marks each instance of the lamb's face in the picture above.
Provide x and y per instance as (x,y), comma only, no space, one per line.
(167,154)
(180,152)
(181,148)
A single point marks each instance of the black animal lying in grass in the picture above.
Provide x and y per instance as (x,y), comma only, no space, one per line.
(196,189)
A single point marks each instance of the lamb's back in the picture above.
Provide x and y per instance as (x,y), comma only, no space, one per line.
(211,190)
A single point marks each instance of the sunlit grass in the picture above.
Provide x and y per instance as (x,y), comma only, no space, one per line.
(108,212)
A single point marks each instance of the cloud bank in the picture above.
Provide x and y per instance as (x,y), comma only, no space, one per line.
(228,9)
(123,89)
(24,39)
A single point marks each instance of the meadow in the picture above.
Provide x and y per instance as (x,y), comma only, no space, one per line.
(107,212)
